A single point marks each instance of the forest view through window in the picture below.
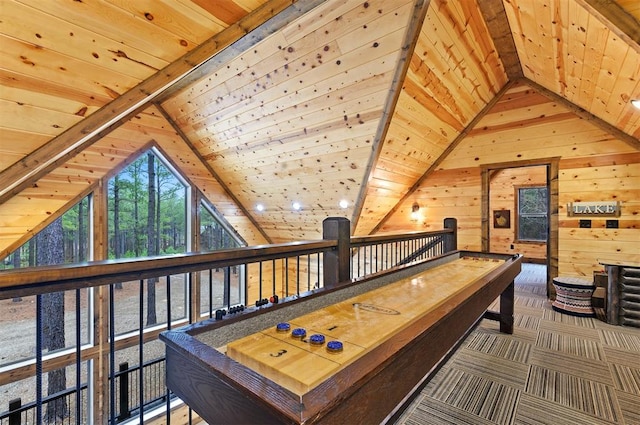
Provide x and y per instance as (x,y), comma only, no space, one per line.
(147,210)
(532,214)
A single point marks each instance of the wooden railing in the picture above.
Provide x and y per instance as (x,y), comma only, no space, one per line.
(260,273)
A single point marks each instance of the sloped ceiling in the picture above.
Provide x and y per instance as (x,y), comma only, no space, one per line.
(280,102)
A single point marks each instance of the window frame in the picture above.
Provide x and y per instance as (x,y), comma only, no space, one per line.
(518,215)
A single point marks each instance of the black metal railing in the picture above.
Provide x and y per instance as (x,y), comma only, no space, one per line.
(59,407)
(127,401)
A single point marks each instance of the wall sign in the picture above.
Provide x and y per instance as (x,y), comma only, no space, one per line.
(594,209)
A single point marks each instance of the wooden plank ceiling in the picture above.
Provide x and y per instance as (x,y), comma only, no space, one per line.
(281,102)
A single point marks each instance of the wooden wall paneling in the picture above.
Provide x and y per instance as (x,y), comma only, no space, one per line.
(36,87)
(338,18)
(34,61)
(177,18)
(631,140)
(13,152)
(317,123)
(481,150)
(21,97)
(427,74)
(612,64)
(620,111)
(422,110)
(498,26)
(59,34)
(451,62)
(405,127)
(574,46)
(436,164)
(113,22)
(272,156)
(520,16)
(596,39)
(273,64)
(29,119)
(280,125)
(16,177)
(465,37)
(623,14)
(434,73)
(483,40)
(631,7)
(194,101)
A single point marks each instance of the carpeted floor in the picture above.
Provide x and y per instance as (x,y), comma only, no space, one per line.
(555,369)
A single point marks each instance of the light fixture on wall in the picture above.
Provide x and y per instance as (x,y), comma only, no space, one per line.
(415,211)
(636,103)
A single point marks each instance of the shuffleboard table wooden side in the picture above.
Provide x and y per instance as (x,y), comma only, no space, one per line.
(368,391)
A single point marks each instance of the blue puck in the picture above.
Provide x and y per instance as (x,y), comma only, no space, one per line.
(316,339)
(283,327)
(298,333)
(334,346)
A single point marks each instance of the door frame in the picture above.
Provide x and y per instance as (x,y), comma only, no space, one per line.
(552,168)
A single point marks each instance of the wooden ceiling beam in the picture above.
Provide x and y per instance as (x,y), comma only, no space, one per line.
(224,46)
(420,8)
(496,20)
(585,115)
(463,134)
(611,13)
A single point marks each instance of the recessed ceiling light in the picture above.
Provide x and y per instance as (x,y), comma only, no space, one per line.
(260,207)
(344,203)
(296,206)
(636,103)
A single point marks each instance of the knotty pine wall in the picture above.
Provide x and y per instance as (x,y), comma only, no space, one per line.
(613,177)
(526,127)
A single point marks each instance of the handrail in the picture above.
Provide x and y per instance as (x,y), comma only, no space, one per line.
(38,280)
(388,237)
(42,279)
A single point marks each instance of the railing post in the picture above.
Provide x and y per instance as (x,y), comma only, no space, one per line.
(123,412)
(15,417)
(451,241)
(336,265)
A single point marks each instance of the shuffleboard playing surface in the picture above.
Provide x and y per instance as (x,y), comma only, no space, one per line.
(359,323)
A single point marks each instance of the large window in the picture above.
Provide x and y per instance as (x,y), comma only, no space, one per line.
(532,214)
(147,210)
(223,286)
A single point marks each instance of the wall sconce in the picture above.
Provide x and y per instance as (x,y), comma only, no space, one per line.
(415,211)
(636,103)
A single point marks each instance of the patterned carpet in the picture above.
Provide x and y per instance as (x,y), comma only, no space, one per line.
(555,369)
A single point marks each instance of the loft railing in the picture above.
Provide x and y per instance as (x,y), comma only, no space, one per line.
(111,326)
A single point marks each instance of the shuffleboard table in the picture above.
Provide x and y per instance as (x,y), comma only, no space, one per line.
(353,354)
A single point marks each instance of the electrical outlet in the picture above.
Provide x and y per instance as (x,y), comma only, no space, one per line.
(585,224)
